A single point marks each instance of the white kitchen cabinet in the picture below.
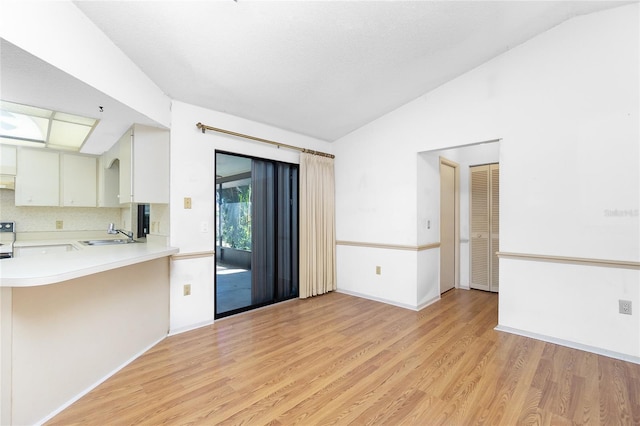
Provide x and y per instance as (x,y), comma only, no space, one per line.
(52,178)
(7,166)
(108,182)
(37,177)
(144,165)
(7,160)
(125,145)
(109,178)
(79,180)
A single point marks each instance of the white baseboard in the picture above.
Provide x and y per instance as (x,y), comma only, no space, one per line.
(190,327)
(388,302)
(570,344)
(427,303)
(96,384)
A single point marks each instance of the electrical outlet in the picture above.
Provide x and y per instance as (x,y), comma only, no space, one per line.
(59,224)
(187,202)
(624,307)
(378,270)
(186,290)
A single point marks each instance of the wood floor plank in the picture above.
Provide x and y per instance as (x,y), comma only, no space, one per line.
(338,360)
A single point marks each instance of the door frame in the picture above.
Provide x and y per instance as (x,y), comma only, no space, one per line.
(456,238)
(218,315)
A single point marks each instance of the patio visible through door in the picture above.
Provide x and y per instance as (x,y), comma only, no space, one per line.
(256,233)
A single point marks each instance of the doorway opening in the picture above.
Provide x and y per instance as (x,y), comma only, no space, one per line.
(430,215)
(256,233)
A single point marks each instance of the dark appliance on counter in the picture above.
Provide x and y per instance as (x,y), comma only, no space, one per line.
(7,239)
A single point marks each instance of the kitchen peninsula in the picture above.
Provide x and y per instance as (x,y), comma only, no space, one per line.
(71,319)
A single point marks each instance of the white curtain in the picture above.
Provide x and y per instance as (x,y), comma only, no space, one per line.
(317,225)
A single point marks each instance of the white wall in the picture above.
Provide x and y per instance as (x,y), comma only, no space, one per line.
(356,267)
(566,107)
(192,175)
(72,43)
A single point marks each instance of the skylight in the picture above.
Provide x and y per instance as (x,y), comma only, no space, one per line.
(31,126)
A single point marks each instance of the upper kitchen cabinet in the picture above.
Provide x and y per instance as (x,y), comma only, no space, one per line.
(7,166)
(37,177)
(78,181)
(51,178)
(7,159)
(109,178)
(144,165)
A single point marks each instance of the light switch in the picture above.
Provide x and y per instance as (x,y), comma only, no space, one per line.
(187,202)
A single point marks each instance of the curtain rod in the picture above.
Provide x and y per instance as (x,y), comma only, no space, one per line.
(204,127)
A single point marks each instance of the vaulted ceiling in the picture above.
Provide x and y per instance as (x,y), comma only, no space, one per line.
(319,68)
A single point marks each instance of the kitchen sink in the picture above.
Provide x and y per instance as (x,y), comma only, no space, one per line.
(107,242)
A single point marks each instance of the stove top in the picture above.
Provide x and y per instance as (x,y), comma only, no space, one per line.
(7,238)
(7,227)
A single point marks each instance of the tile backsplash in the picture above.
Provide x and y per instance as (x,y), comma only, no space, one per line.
(43,219)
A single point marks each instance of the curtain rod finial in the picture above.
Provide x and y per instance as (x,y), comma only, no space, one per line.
(200,126)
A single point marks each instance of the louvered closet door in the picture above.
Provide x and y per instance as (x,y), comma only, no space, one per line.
(495,225)
(485,225)
(480,227)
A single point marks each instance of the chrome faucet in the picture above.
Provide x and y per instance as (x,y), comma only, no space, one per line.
(112,230)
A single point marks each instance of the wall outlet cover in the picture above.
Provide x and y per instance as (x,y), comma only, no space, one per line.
(624,307)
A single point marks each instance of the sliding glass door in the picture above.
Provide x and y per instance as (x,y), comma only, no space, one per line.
(256,233)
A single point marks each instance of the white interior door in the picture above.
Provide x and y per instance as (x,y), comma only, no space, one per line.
(448,225)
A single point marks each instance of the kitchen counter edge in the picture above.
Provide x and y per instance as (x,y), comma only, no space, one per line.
(52,268)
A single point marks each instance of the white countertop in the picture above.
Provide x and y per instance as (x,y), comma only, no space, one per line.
(51,268)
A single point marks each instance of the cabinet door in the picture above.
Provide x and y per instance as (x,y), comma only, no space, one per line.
(37,178)
(108,182)
(150,165)
(7,160)
(78,181)
(126,180)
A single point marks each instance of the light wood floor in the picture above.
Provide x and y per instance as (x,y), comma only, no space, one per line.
(338,359)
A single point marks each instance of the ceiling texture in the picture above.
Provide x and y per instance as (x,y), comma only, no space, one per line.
(319,68)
